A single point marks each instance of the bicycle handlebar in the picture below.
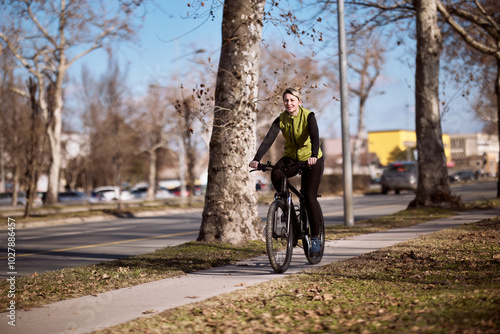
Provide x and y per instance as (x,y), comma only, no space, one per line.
(295,166)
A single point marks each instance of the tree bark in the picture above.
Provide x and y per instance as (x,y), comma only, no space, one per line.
(34,149)
(230,212)
(433,188)
(497,92)
(150,195)
(54,134)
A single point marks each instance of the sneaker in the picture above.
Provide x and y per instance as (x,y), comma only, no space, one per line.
(315,247)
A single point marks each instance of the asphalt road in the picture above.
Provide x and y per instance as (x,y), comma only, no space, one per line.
(48,248)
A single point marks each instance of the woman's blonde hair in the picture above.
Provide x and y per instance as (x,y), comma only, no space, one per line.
(294,91)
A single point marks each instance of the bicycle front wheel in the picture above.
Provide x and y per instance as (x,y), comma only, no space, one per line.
(279,237)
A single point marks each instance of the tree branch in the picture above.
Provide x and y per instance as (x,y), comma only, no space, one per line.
(463,33)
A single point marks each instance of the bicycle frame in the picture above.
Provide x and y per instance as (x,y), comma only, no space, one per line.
(300,217)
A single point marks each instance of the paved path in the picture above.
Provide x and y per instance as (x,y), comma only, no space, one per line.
(87,314)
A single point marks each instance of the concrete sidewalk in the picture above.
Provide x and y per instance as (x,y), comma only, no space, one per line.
(90,313)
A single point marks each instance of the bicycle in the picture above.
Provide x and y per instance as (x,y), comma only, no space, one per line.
(286,223)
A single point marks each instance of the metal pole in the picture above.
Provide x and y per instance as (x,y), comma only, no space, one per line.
(344,106)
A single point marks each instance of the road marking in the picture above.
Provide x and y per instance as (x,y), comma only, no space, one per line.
(105,244)
(68,233)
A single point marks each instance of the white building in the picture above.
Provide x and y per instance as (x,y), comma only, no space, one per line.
(477,152)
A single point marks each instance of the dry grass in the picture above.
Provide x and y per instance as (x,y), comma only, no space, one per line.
(397,289)
(446,282)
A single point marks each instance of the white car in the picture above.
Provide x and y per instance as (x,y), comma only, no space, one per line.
(107,193)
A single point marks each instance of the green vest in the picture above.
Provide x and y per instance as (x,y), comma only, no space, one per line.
(295,131)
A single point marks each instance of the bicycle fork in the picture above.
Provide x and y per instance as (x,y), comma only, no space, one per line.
(288,214)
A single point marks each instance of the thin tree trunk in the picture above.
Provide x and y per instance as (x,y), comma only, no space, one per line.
(150,196)
(360,138)
(16,180)
(33,150)
(230,213)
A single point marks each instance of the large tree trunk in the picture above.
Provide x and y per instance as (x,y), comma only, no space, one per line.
(51,104)
(54,130)
(230,213)
(433,188)
(34,149)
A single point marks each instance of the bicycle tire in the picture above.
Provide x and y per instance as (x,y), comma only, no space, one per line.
(307,245)
(279,239)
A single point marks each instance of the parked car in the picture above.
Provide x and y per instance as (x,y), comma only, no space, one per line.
(6,199)
(462,176)
(106,193)
(140,193)
(177,191)
(75,197)
(260,186)
(399,176)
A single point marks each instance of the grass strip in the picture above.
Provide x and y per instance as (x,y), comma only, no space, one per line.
(48,287)
(445,282)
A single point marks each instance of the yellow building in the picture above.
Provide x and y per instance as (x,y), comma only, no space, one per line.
(382,143)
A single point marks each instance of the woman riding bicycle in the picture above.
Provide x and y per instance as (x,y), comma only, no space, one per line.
(300,131)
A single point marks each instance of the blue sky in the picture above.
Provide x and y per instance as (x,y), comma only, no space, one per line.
(169,36)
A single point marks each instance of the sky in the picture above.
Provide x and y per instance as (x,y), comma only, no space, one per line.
(168,38)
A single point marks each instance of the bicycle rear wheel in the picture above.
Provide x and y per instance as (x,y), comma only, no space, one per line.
(279,237)
(306,241)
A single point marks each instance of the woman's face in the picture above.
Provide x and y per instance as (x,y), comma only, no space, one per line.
(292,104)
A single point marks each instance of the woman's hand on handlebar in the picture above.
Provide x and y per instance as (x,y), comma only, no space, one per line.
(254,164)
(312,161)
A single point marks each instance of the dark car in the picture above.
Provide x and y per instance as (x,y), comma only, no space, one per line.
(6,199)
(399,176)
(463,176)
(75,197)
(177,191)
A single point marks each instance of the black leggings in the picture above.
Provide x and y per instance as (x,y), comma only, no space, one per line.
(309,185)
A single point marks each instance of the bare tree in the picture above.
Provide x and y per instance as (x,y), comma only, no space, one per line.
(190,137)
(230,213)
(46,39)
(151,118)
(485,103)
(34,148)
(477,23)
(433,188)
(113,143)
(367,63)
(14,124)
